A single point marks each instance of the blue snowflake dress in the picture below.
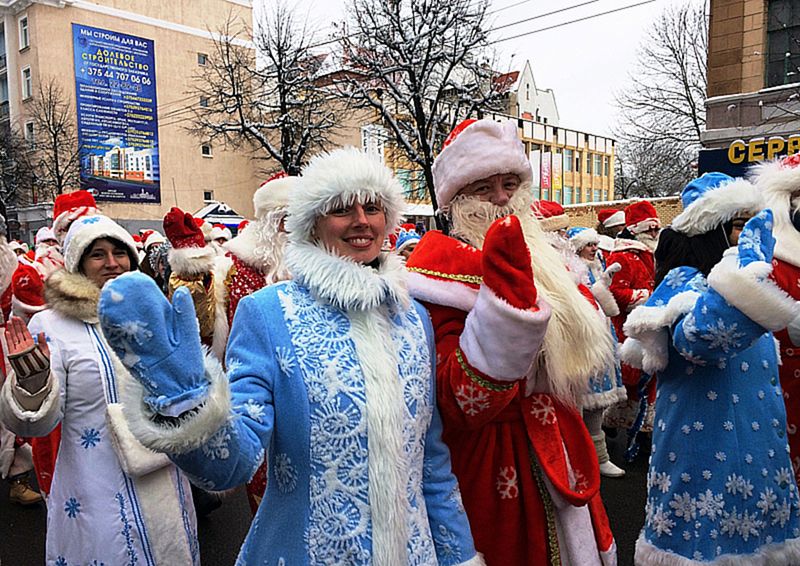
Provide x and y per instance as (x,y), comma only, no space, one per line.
(720,488)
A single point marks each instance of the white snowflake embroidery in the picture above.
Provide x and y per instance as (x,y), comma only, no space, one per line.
(745,366)
(285,473)
(217,445)
(675,278)
(255,411)
(672,457)
(542,408)
(782,513)
(710,505)
(766,501)
(686,478)
(748,458)
(707,475)
(662,481)
(727,425)
(730,523)
(661,522)
(685,429)
(698,426)
(507,483)
(783,477)
(712,395)
(722,336)
(471,399)
(285,359)
(761,395)
(749,525)
(721,456)
(673,398)
(735,398)
(755,426)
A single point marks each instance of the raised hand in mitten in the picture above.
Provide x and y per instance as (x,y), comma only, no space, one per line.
(601,289)
(157,341)
(507,264)
(756,242)
(181,230)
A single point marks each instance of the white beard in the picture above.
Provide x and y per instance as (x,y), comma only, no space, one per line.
(270,245)
(650,241)
(577,336)
(48,259)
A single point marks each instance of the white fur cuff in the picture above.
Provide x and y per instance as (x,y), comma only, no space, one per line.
(502,341)
(192,431)
(192,261)
(749,290)
(605,299)
(28,422)
(135,459)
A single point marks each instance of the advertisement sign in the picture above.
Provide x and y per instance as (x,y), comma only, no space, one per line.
(556,173)
(115,92)
(735,159)
(546,161)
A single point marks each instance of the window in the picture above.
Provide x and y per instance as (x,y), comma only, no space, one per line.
(27,86)
(372,139)
(578,158)
(24,34)
(545,194)
(783,42)
(597,195)
(29,133)
(208,196)
(205,149)
(568,160)
(204,101)
(578,195)
(202,59)
(598,164)
(606,160)
(588,163)
(537,193)
(567,195)
(557,195)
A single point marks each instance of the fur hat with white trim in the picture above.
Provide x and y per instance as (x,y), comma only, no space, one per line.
(475,150)
(273,194)
(221,231)
(611,217)
(777,181)
(86,230)
(580,237)
(342,176)
(551,215)
(713,199)
(641,216)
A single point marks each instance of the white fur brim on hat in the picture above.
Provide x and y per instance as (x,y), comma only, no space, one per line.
(644,225)
(153,239)
(553,223)
(616,219)
(776,184)
(483,149)
(583,238)
(217,233)
(718,206)
(342,176)
(86,230)
(273,195)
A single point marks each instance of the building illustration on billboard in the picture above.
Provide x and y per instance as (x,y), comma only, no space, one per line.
(115,87)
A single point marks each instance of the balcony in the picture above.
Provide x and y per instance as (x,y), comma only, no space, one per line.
(4,111)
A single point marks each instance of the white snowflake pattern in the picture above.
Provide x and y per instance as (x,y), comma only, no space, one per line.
(285,473)
(507,483)
(661,522)
(783,477)
(675,278)
(472,399)
(761,395)
(662,481)
(749,525)
(712,395)
(748,458)
(707,475)
(690,357)
(542,408)
(255,411)
(673,398)
(745,366)
(782,513)
(727,425)
(686,429)
(766,501)
(755,426)
(217,445)
(698,426)
(735,398)
(754,243)
(730,523)
(672,457)
(710,505)
(721,456)
(285,359)
(722,336)
(686,478)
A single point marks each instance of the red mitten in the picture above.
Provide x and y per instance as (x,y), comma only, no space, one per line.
(507,264)
(181,230)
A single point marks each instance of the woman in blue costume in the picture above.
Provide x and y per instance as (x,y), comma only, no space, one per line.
(720,485)
(330,374)
(606,389)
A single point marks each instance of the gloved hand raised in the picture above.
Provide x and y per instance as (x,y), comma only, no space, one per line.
(601,289)
(157,341)
(756,242)
(507,264)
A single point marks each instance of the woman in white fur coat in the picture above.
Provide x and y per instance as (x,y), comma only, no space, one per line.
(112,501)
(331,375)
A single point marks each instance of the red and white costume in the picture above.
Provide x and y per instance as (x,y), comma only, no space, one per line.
(526,465)
(779,183)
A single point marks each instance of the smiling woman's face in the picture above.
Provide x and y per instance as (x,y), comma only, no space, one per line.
(355,231)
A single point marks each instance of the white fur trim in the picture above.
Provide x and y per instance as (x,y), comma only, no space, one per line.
(718,206)
(605,243)
(785,553)
(24,310)
(583,238)
(553,223)
(273,194)
(86,230)
(28,422)
(388,469)
(638,298)
(135,459)
(502,341)
(644,225)
(193,431)
(219,341)
(609,557)
(605,298)
(244,247)
(482,149)
(749,290)
(591,401)
(776,185)
(476,560)
(186,262)
(445,293)
(616,219)
(647,346)
(624,245)
(344,283)
(576,539)
(344,175)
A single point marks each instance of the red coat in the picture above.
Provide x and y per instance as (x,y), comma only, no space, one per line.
(503,444)
(787,276)
(631,287)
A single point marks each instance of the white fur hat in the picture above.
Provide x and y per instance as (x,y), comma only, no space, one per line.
(45,233)
(344,175)
(580,237)
(475,150)
(221,231)
(777,180)
(273,194)
(86,230)
(713,199)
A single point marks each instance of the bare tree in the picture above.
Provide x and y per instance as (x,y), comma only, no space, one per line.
(263,96)
(55,156)
(16,175)
(662,110)
(422,66)
(651,169)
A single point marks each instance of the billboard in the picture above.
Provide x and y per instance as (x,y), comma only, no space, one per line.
(546,170)
(115,93)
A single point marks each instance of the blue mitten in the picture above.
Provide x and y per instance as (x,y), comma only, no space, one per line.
(756,242)
(157,341)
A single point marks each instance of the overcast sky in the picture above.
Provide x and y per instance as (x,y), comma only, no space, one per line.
(584,62)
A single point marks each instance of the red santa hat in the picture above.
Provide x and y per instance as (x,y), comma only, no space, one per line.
(27,288)
(611,217)
(641,216)
(475,150)
(220,231)
(137,239)
(242,225)
(273,194)
(45,233)
(189,254)
(16,245)
(70,206)
(85,230)
(777,181)
(151,238)
(551,215)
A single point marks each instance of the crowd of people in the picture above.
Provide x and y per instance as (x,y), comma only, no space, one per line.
(392,395)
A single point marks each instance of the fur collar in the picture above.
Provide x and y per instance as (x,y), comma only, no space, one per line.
(244,247)
(346,284)
(73,295)
(626,245)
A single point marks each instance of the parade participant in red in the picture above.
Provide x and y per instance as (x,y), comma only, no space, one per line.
(631,287)
(610,222)
(515,341)
(68,207)
(779,183)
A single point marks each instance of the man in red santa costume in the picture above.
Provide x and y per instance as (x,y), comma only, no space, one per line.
(632,286)
(515,341)
(779,183)
(610,222)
